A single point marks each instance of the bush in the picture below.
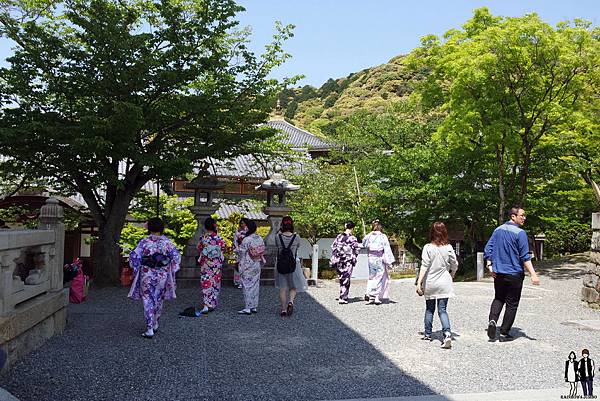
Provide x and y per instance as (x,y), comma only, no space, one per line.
(327,274)
(565,236)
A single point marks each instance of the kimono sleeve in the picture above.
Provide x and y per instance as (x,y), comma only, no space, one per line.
(223,246)
(388,256)
(175,257)
(355,245)
(365,242)
(135,257)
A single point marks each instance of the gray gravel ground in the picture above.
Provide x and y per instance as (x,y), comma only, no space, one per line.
(325,351)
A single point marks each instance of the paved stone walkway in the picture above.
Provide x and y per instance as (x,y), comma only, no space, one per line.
(325,351)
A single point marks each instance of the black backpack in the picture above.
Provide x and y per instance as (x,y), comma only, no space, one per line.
(286,260)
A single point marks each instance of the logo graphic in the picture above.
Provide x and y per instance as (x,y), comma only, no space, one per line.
(580,371)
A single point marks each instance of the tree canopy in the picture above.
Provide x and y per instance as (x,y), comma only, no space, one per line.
(102,96)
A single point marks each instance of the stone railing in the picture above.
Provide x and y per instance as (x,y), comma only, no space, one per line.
(31,261)
(33,300)
(590,292)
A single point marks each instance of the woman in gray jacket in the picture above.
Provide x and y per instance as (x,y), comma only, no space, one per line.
(438,267)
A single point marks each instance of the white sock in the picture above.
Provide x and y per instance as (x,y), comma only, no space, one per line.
(205,309)
(149,332)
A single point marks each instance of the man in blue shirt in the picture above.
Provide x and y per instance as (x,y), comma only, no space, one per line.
(507,255)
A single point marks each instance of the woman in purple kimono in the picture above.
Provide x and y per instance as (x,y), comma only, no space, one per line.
(155,261)
(344,251)
(211,249)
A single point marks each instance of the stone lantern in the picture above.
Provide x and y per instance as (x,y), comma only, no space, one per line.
(204,186)
(276,188)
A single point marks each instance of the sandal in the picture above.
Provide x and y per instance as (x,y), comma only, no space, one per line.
(283,313)
(290,308)
(148,336)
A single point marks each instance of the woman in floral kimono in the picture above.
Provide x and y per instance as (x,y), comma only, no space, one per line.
(380,257)
(344,251)
(155,261)
(238,236)
(251,259)
(211,248)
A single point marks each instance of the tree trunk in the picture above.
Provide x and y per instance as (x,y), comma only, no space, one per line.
(107,259)
(411,247)
(107,253)
(587,177)
(501,194)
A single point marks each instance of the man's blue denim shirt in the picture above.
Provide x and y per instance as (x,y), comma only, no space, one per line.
(508,249)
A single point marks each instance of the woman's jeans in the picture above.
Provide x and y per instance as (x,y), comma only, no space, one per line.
(430,309)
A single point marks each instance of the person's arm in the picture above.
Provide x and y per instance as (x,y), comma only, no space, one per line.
(453,263)
(135,257)
(425,264)
(535,280)
(525,257)
(388,255)
(488,252)
(175,258)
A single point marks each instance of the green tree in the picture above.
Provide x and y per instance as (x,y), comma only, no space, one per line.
(154,86)
(508,85)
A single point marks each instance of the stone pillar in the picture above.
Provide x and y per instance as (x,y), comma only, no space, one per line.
(51,218)
(276,188)
(590,293)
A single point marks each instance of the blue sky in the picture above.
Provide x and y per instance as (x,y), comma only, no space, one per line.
(336,37)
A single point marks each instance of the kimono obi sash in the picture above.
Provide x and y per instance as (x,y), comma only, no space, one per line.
(378,253)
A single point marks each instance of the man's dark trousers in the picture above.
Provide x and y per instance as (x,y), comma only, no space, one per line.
(508,291)
(588,386)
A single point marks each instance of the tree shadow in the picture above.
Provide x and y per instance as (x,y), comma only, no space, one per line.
(222,356)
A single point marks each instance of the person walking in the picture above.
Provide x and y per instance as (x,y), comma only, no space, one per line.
(344,252)
(572,374)
(289,279)
(586,373)
(507,255)
(251,258)
(211,248)
(155,260)
(238,236)
(380,258)
(438,267)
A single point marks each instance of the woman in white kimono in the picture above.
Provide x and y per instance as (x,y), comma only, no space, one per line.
(251,258)
(380,258)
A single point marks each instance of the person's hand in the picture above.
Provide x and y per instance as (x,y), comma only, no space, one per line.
(452,274)
(419,289)
(492,273)
(535,280)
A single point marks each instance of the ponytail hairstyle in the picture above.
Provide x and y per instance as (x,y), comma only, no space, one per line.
(376,225)
(210,224)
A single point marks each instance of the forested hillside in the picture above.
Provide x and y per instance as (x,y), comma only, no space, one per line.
(319,110)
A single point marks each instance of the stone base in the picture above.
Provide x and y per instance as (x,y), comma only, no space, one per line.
(32,323)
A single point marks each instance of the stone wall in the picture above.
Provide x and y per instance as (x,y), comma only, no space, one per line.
(590,292)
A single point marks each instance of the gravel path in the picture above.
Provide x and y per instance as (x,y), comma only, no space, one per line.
(325,351)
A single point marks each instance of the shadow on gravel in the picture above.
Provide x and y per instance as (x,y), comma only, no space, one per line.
(223,356)
(564,268)
(516,332)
